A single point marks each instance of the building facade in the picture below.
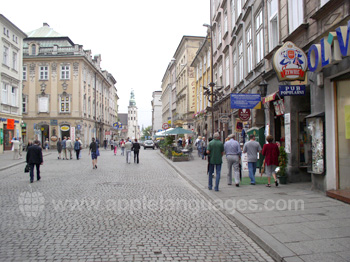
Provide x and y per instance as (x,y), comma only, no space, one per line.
(11,50)
(65,91)
(156,111)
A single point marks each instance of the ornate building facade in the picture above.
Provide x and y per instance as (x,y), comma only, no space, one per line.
(65,91)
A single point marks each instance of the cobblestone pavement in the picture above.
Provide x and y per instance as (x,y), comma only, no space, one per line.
(117,212)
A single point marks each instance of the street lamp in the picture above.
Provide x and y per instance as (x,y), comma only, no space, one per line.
(213,95)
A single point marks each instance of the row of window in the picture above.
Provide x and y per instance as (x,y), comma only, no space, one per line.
(7,33)
(6,58)
(44,72)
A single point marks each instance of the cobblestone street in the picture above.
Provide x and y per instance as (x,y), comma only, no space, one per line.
(119,212)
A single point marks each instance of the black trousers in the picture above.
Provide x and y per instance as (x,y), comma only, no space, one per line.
(136,155)
(77,152)
(31,171)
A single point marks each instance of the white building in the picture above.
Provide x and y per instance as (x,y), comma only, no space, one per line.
(156,111)
(11,50)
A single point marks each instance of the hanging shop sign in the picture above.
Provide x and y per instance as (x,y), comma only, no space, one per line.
(239,125)
(292,90)
(244,114)
(330,50)
(269,98)
(290,62)
(245,101)
(279,107)
(54,138)
(224,119)
(64,128)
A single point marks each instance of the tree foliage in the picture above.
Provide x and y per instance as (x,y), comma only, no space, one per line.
(147,132)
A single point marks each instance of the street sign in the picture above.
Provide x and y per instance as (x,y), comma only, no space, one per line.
(165,126)
(244,114)
(244,101)
(78,127)
(292,90)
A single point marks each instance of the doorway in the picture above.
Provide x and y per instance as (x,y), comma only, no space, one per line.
(8,136)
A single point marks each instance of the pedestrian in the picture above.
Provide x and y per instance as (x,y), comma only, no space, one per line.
(64,148)
(77,148)
(136,148)
(271,153)
(204,148)
(115,145)
(122,146)
(46,144)
(59,148)
(93,152)
(34,157)
(81,147)
(252,148)
(30,143)
(209,139)
(111,143)
(15,148)
(105,143)
(215,150)
(20,147)
(69,146)
(199,146)
(233,153)
(128,146)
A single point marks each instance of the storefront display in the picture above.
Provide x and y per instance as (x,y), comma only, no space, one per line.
(304,142)
(315,127)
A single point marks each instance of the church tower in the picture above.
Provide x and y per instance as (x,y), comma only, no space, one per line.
(133,126)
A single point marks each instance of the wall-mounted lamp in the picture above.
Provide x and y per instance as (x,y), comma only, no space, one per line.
(263,88)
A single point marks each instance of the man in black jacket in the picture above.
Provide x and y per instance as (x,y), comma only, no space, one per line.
(136,148)
(34,157)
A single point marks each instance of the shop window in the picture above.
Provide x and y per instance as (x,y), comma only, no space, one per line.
(315,128)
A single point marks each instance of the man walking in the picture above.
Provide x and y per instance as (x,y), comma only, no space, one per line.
(233,152)
(252,148)
(128,146)
(64,148)
(34,157)
(215,150)
(136,148)
(69,146)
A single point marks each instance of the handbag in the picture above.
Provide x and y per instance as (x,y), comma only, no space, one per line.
(26,169)
(97,152)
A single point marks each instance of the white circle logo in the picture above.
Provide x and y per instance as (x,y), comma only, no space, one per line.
(31,204)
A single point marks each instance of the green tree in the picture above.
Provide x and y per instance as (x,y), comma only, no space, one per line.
(147,132)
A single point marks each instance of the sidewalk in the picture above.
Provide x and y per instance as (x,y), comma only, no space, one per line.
(7,161)
(290,222)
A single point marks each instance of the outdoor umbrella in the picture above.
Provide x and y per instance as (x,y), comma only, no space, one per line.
(178,131)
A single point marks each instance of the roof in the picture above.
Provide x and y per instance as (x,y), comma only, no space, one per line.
(44,31)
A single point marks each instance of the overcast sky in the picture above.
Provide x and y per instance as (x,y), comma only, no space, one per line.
(136,38)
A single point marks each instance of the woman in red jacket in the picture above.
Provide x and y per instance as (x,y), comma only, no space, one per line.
(271,153)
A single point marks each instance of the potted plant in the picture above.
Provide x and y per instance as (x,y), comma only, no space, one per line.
(282,169)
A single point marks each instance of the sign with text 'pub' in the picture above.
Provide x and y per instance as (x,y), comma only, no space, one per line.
(290,63)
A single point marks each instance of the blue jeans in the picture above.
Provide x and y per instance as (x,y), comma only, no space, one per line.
(252,170)
(218,172)
(200,149)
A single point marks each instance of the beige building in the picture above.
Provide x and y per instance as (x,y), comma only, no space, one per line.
(65,91)
(185,81)
(11,83)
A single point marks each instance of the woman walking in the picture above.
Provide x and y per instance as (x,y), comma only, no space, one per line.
(115,144)
(271,153)
(59,147)
(77,148)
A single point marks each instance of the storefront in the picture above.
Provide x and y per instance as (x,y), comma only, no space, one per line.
(329,124)
(9,128)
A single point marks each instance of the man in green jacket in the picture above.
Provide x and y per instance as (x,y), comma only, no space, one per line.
(215,150)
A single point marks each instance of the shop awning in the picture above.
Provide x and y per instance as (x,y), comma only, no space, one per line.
(269,98)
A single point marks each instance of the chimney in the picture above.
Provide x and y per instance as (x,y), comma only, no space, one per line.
(46,24)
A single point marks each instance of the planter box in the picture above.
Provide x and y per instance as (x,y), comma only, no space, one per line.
(283,179)
(179,158)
